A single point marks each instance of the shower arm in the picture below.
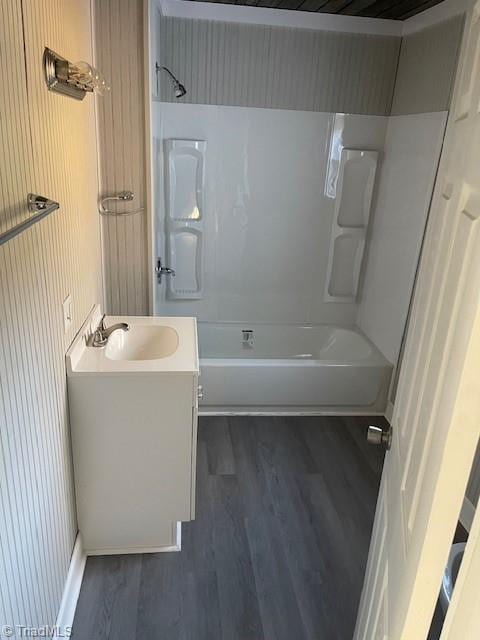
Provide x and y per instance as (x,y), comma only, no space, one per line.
(175,80)
(159,68)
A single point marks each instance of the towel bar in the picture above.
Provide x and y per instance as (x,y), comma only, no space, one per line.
(39,205)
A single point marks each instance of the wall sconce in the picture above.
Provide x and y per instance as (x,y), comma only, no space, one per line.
(72,79)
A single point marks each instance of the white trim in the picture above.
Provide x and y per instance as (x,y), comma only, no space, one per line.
(256,411)
(122,551)
(434,15)
(72,586)
(148,138)
(96,110)
(467,514)
(119,551)
(389,411)
(278,17)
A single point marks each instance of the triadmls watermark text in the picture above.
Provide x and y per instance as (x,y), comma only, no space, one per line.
(25,631)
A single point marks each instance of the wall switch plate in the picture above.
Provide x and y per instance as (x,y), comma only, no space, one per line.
(67,313)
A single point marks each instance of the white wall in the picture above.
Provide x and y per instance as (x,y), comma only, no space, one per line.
(48,146)
(412,149)
(268,222)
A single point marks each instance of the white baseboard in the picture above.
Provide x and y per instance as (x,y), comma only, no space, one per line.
(72,587)
(120,551)
(467,513)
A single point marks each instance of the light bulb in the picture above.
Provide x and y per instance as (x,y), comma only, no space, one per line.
(84,70)
(102,88)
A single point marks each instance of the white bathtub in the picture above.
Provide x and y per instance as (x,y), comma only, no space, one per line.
(288,369)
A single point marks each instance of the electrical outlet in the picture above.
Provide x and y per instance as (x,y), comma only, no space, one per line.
(67,313)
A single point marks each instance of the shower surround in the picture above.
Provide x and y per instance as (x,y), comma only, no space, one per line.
(263,212)
(274,108)
(269,184)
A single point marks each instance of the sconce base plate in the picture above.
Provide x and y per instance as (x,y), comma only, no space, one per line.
(54,83)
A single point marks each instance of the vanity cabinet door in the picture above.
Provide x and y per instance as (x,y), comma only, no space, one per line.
(134,458)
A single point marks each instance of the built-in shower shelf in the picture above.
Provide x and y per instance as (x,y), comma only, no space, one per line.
(185,206)
(353,203)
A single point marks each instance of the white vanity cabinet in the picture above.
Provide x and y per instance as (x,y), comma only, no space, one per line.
(134,433)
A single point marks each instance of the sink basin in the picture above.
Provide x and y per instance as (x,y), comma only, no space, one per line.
(153,344)
(142,342)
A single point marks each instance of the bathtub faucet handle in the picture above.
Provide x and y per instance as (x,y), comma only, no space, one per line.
(162,271)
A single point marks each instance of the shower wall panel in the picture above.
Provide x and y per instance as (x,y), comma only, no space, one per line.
(268,211)
(412,149)
(353,201)
(184,216)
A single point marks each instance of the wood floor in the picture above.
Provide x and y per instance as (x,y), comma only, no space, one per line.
(285,508)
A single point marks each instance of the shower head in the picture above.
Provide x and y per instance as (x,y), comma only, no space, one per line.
(178,88)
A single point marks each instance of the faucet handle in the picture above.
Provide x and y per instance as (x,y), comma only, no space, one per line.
(96,338)
(101,325)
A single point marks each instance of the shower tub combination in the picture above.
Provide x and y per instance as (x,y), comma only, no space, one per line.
(290,369)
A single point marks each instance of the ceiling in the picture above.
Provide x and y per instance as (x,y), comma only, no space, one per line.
(387,9)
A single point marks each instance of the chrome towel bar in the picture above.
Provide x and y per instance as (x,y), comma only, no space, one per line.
(36,204)
(126,196)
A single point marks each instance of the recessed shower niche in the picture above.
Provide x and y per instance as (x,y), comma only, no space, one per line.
(353,203)
(184,229)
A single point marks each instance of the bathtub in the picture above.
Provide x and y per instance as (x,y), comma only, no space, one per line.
(290,369)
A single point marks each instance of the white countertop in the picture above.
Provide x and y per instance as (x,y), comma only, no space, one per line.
(84,360)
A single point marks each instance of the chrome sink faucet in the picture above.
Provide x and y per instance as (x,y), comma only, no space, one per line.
(100,336)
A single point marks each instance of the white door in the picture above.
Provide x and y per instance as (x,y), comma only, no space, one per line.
(436,421)
(463,617)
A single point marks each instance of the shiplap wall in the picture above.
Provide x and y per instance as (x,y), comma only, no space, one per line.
(121,117)
(277,67)
(426,68)
(48,146)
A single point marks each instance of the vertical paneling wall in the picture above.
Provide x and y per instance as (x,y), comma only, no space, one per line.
(280,68)
(426,68)
(121,116)
(48,146)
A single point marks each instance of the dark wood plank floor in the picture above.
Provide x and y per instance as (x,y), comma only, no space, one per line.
(285,508)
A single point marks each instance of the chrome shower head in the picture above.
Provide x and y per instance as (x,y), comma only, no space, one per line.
(178,88)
